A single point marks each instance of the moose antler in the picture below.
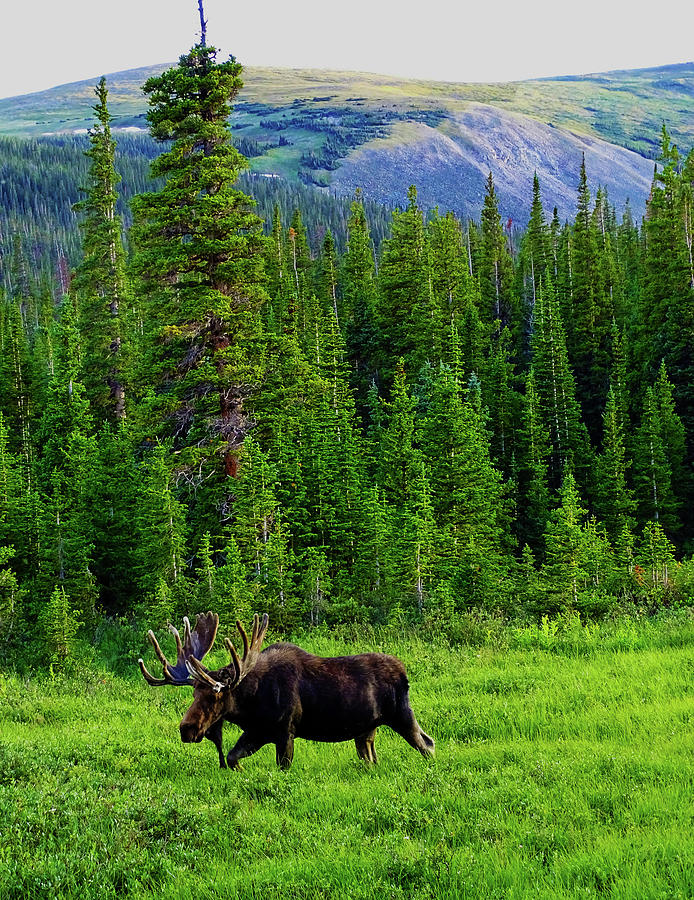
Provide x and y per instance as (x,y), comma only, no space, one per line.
(194,646)
(251,649)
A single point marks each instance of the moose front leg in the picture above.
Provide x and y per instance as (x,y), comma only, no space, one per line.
(214,734)
(285,751)
(246,745)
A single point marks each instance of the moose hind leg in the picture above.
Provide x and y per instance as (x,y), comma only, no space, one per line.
(246,745)
(371,744)
(407,726)
(365,746)
(214,734)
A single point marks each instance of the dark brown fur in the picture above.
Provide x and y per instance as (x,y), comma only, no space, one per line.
(290,693)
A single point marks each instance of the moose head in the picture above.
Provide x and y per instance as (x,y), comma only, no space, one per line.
(213,694)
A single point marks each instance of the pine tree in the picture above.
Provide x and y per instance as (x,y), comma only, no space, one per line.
(630,265)
(413,543)
(99,281)
(533,506)
(372,576)
(12,513)
(199,265)
(590,318)
(276,268)
(299,253)
(399,458)
(652,471)
(59,627)
(614,502)
(556,391)
(666,315)
(565,562)
(10,599)
(452,283)
(112,493)
(280,573)
(64,549)
(65,478)
(467,494)
(496,267)
(328,276)
(619,381)
(359,293)
(605,223)
(235,595)
(534,263)
(405,313)
(316,584)
(20,286)
(256,505)
(12,526)
(673,432)
(18,393)
(503,402)
(160,527)
(205,592)
(657,558)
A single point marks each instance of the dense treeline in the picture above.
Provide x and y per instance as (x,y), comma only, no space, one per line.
(221,416)
(40,183)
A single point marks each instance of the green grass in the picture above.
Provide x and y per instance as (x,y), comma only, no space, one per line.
(563,769)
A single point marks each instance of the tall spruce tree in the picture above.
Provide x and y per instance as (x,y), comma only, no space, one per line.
(556,391)
(359,293)
(405,313)
(666,320)
(327,275)
(99,282)
(496,266)
(503,402)
(199,269)
(614,501)
(652,470)
(565,560)
(535,263)
(467,492)
(589,316)
(533,485)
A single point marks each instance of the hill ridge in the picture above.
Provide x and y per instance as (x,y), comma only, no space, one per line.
(330,128)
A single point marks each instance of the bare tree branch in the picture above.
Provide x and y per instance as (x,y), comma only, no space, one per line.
(203,24)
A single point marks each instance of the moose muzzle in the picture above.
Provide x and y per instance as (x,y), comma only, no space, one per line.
(190,733)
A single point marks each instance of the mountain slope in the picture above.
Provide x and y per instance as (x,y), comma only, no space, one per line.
(453,162)
(339,130)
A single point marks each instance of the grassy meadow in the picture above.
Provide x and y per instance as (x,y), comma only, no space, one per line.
(564,768)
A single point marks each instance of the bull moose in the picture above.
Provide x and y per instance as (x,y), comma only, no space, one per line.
(284,692)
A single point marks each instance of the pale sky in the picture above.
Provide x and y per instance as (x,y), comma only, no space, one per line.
(49,42)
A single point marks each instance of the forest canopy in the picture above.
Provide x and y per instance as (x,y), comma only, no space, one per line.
(383,417)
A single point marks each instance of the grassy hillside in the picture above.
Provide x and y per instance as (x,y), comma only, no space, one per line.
(623,107)
(563,771)
(304,124)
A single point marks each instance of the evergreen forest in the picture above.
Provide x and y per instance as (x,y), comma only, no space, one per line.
(327,410)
